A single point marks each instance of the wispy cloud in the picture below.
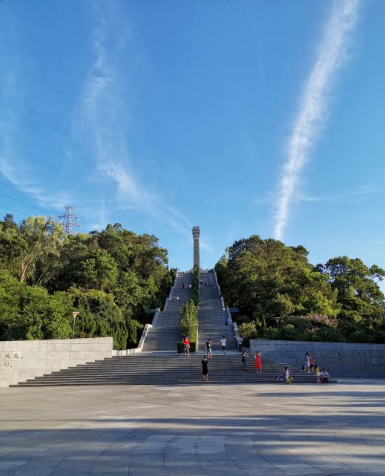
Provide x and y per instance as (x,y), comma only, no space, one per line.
(313,108)
(373,186)
(102,121)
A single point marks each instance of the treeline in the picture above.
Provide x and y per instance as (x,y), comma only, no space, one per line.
(336,301)
(112,278)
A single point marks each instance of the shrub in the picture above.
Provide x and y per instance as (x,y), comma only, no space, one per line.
(195,286)
(189,319)
(248,330)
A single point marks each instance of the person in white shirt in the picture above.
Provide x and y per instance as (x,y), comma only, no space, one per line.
(223,344)
(324,376)
(240,342)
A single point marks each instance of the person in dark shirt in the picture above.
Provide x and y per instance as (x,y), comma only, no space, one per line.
(205,368)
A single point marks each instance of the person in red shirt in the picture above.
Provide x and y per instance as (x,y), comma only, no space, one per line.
(186,343)
(258,363)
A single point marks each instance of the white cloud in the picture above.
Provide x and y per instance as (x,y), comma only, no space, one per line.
(312,111)
(371,187)
(102,122)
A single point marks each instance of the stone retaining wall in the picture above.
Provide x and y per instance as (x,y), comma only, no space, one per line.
(341,359)
(25,359)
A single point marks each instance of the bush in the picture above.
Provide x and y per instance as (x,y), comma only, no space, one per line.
(195,286)
(246,343)
(271,333)
(240,319)
(248,330)
(189,319)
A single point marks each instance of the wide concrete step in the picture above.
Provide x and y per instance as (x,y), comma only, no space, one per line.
(149,369)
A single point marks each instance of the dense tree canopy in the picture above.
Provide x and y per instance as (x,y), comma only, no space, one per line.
(340,300)
(111,277)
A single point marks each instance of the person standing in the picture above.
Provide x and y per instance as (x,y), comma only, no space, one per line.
(307,362)
(258,363)
(240,342)
(208,349)
(311,364)
(245,361)
(318,373)
(186,346)
(223,344)
(205,368)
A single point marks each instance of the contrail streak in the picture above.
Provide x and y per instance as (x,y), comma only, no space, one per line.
(312,111)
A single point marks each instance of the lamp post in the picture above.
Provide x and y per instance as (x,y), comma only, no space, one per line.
(74,315)
(277,319)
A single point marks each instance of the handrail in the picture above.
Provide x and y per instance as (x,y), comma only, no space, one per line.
(217,283)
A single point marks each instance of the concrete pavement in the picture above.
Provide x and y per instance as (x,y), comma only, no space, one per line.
(221,430)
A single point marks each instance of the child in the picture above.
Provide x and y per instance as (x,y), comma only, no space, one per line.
(288,377)
(317,373)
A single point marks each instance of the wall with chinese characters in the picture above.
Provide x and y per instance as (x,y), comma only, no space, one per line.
(22,360)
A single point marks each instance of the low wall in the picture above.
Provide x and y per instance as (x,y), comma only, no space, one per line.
(25,359)
(341,359)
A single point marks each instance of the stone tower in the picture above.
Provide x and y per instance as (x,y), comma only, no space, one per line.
(196,232)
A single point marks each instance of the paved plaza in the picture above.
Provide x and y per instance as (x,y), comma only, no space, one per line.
(216,430)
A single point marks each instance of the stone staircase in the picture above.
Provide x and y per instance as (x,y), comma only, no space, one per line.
(212,316)
(165,334)
(162,369)
(159,363)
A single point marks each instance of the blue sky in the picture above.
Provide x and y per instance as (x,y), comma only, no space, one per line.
(254,117)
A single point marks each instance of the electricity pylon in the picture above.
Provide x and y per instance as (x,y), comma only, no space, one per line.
(66,220)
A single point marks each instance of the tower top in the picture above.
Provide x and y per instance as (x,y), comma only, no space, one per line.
(196,232)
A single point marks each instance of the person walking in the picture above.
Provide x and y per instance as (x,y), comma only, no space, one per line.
(205,369)
(245,361)
(186,346)
(258,363)
(223,344)
(208,349)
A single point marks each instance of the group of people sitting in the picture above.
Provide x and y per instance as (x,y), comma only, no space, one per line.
(322,376)
(310,365)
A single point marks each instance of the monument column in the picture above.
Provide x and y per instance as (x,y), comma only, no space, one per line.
(196,232)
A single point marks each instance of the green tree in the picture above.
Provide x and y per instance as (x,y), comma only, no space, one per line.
(189,320)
